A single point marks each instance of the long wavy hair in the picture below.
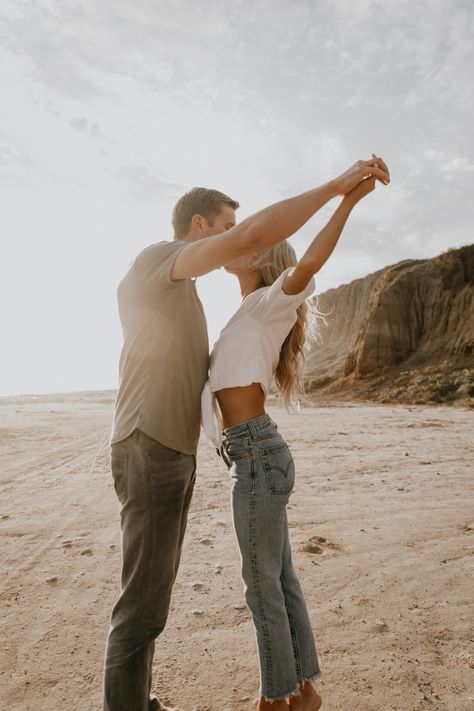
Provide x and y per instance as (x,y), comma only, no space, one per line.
(270,264)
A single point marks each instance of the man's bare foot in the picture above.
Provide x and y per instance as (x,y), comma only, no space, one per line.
(307,700)
(280,705)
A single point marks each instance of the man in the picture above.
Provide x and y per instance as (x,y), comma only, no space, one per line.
(163,368)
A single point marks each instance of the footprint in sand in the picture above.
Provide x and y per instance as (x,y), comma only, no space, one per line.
(206,541)
(319,545)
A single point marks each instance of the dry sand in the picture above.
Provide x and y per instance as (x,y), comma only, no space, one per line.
(382,526)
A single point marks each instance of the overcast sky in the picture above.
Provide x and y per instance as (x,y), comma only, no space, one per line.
(111,109)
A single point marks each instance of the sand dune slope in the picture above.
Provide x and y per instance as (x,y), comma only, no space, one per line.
(382,526)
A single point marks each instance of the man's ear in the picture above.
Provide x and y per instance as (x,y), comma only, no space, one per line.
(197,223)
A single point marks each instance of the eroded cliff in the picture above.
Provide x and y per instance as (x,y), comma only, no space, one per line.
(404,333)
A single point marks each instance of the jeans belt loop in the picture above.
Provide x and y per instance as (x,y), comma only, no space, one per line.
(252,431)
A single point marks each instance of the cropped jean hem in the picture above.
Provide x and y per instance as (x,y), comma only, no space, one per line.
(293,692)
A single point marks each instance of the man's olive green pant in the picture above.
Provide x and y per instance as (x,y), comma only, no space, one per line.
(154,485)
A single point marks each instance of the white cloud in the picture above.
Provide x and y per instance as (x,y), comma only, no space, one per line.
(14,153)
(458,166)
(147,184)
(92,130)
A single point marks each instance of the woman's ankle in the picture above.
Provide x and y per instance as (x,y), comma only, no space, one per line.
(307,698)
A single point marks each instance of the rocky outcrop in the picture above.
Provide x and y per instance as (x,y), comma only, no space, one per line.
(415,317)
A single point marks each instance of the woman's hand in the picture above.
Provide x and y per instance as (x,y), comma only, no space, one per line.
(362,170)
(360,191)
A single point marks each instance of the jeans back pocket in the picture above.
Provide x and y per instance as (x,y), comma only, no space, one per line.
(279,469)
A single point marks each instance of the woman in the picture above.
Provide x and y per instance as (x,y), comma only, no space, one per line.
(265,338)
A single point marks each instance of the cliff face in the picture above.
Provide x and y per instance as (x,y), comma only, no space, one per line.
(415,317)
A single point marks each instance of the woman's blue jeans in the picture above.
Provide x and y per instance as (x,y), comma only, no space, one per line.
(263,474)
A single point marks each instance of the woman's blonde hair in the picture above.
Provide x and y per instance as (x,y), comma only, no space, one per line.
(270,264)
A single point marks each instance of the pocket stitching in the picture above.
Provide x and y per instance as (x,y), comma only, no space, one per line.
(243,455)
(268,469)
(246,455)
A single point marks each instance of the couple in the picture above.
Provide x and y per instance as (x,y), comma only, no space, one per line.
(164,377)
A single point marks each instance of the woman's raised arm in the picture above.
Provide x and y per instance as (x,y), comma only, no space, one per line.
(323,244)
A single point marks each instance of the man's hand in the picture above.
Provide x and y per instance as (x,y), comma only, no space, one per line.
(363,169)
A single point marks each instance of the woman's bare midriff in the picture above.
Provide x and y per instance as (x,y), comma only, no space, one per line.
(242,404)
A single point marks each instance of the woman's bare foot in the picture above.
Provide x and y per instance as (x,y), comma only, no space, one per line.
(307,700)
(280,705)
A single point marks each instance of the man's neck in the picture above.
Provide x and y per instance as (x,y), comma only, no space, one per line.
(187,238)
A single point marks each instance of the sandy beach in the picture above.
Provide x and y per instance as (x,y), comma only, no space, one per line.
(382,527)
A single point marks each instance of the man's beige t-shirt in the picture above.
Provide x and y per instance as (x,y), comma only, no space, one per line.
(165,355)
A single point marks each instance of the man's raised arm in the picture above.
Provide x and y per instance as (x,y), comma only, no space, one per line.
(270,225)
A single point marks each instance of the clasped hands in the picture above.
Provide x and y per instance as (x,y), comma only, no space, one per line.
(359,180)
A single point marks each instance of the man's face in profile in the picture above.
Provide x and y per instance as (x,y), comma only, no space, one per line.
(225,220)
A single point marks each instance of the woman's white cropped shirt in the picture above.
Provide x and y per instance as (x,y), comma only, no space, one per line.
(248,347)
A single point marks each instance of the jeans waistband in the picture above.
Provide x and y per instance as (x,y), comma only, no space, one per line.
(253,428)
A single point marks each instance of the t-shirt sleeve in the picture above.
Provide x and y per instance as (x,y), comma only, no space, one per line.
(153,266)
(274,301)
